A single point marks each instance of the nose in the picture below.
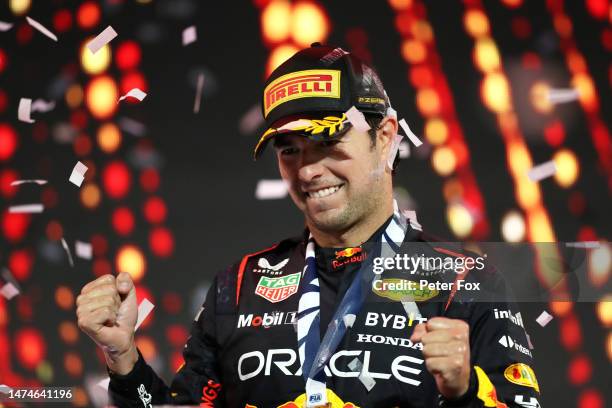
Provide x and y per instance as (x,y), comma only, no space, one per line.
(311,166)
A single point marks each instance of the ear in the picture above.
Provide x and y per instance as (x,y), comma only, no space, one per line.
(385,136)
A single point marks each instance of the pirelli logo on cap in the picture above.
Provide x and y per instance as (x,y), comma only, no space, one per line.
(312,83)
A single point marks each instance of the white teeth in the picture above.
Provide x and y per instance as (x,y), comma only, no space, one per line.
(324,192)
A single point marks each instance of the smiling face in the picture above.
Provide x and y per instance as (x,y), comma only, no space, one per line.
(338,184)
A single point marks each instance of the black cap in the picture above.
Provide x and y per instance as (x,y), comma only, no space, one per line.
(318,83)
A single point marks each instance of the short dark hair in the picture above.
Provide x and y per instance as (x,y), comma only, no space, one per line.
(374,122)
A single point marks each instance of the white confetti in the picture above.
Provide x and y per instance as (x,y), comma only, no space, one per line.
(41,28)
(102,39)
(413,138)
(349,320)
(198,314)
(367,380)
(144,308)
(9,291)
(397,139)
(26,208)
(78,174)
(544,318)
(34,181)
(357,119)
(411,216)
(584,244)
(271,190)
(529,344)
(5,388)
(40,105)
(198,97)
(355,365)
(104,383)
(132,126)
(542,171)
(404,150)
(189,35)
(83,249)
(4,26)
(251,120)
(24,110)
(65,245)
(557,96)
(134,93)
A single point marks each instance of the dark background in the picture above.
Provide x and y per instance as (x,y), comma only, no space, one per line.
(208,178)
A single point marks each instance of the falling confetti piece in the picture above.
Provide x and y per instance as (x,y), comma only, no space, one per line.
(41,28)
(78,174)
(357,119)
(102,39)
(367,380)
(132,126)
(65,245)
(585,244)
(411,216)
(40,105)
(394,149)
(24,110)
(5,389)
(104,383)
(349,320)
(251,120)
(557,96)
(271,189)
(144,308)
(198,97)
(529,344)
(134,93)
(542,171)
(27,208)
(83,249)
(404,150)
(35,181)
(413,138)
(9,291)
(355,365)
(4,26)
(190,35)
(544,318)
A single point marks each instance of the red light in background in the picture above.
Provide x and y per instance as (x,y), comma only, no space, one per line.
(3,60)
(155,210)
(579,370)
(102,267)
(571,337)
(554,134)
(132,80)
(99,245)
(123,221)
(116,179)
(14,226)
(24,34)
(6,178)
(420,76)
(590,399)
(177,335)
(587,233)
(30,347)
(531,60)
(24,307)
(598,8)
(62,20)
(3,97)
(78,119)
(606,39)
(172,302)
(49,197)
(521,27)
(176,361)
(20,264)
(8,142)
(127,55)
(577,203)
(88,14)
(161,242)
(149,180)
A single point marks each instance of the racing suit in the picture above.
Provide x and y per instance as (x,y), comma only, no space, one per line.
(242,351)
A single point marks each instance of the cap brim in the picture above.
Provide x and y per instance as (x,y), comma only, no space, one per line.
(315,129)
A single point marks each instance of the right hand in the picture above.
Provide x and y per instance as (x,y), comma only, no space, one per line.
(107,312)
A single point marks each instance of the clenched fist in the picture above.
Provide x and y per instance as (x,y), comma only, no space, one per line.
(107,312)
(446,348)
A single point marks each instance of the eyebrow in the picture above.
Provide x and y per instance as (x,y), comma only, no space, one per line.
(281,141)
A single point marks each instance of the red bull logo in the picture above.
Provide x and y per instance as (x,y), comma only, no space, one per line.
(347,256)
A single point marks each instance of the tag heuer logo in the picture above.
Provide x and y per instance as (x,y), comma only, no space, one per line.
(278,289)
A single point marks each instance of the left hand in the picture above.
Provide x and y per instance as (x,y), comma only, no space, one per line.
(446,348)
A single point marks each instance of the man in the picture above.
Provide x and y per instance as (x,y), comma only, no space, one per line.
(324,319)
